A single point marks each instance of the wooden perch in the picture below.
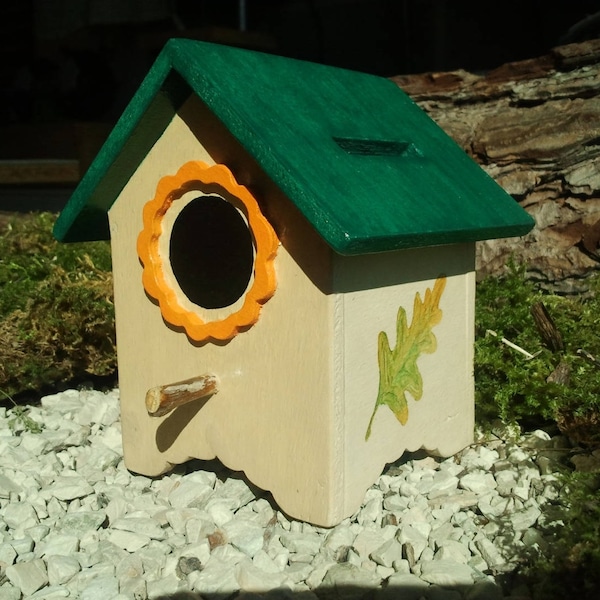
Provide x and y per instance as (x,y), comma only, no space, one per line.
(163,399)
(546,327)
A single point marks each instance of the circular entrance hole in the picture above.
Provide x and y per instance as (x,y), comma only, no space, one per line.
(211,252)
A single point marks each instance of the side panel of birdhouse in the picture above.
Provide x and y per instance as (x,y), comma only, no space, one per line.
(272,415)
(407,319)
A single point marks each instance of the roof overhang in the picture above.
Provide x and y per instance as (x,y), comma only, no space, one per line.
(363,163)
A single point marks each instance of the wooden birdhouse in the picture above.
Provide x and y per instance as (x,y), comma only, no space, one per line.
(294,272)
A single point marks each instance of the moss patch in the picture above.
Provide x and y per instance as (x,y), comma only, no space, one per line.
(523,391)
(56,308)
(516,389)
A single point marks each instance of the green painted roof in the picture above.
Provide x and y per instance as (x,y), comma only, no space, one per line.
(366,166)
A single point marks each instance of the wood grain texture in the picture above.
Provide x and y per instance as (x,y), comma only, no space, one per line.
(534,126)
(358,202)
(162,399)
(371,289)
(275,379)
(297,389)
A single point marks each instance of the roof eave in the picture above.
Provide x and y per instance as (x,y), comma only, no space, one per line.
(85,217)
(167,85)
(347,246)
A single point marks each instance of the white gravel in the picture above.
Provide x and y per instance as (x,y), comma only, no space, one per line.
(74,523)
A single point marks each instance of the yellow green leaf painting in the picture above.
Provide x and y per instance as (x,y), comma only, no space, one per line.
(398,370)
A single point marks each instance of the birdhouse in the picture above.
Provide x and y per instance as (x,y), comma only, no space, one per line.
(294,272)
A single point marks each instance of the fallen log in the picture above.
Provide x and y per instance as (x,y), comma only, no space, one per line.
(534,126)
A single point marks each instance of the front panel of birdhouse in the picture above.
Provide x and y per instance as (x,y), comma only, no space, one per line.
(315,370)
(265,338)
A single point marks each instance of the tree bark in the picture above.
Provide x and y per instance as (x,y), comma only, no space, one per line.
(534,126)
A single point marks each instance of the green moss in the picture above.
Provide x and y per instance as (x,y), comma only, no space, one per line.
(515,389)
(56,309)
(570,567)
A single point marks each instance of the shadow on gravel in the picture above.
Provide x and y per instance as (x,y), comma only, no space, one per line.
(417,592)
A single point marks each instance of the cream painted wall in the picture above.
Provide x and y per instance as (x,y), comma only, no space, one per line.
(298,388)
(273,413)
(442,421)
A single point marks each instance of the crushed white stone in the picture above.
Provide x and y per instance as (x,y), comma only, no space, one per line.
(74,523)
(28,576)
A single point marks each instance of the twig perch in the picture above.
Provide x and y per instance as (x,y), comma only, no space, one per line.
(162,399)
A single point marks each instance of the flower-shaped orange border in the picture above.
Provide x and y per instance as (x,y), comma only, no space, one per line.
(196,175)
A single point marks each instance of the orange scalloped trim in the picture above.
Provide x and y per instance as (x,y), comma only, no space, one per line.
(192,176)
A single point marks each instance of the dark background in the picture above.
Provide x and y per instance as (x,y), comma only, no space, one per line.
(82,59)
(69,67)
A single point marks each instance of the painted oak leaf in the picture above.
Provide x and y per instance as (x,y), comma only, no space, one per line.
(398,370)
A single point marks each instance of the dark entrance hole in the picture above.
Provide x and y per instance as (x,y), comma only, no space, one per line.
(211,252)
